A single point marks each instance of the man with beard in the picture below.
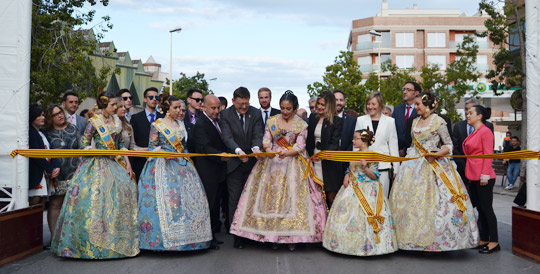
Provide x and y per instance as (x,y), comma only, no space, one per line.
(345,142)
(265,97)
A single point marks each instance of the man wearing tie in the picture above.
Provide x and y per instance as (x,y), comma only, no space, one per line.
(141,127)
(265,97)
(70,102)
(212,170)
(402,113)
(461,131)
(194,101)
(242,132)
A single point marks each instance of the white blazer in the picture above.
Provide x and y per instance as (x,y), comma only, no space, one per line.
(386,141)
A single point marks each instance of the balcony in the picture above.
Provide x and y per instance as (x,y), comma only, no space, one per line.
(368,68)
(481,44)
(373,45)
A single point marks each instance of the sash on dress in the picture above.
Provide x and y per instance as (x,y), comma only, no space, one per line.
(458,197)
(372,218)
(170,135)
(107,139)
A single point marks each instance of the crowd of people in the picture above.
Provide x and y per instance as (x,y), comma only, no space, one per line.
(111,207)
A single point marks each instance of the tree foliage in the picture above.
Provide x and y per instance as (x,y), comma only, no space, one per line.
(185,83)
(60,54)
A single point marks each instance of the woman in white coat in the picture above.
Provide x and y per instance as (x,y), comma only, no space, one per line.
(386,141)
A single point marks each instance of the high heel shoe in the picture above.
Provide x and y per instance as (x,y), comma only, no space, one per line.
(480,246)
(486,249)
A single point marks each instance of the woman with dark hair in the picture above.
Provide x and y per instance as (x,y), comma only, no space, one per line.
(127,130)
(324,133)
(40,170)
(429,202)
(482,176)
(278,205)
(99,216)
(360,222)
(63,135)
(173,209)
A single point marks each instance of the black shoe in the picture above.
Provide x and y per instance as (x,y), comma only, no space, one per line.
(216,242)
(486,249)
(480,246)
(275,246)
(47,247)
(292,247)
(238,242)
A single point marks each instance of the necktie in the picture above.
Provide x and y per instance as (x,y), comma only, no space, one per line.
(407,114)
(217,126)
(72,119)
(265,116)
(470,129)
(152,118)
(242,121)
(193,119)
(128,116)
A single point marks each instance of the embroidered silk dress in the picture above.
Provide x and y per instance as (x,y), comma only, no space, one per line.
(98,219)
(347,229)
(424,214)
(173,209)
(277,204)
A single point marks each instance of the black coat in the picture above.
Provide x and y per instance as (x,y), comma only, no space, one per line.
(141,134)
(207,140)
(37,167)
(190,145)
(330,136)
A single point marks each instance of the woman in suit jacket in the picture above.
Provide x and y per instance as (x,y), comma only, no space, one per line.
(482,176)
(386,141)
(324,132)
(38,187)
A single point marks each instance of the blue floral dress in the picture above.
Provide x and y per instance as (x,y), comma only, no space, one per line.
(173,209)
(98,219)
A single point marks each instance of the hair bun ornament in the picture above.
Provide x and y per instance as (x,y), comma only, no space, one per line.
(104,99)
(367,136)
(289,92)
(166,102)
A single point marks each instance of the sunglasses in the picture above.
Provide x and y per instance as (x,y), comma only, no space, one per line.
(311,107)
(125,98)
(152,97)
(198,100)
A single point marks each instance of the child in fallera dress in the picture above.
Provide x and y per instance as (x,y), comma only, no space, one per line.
(359,222)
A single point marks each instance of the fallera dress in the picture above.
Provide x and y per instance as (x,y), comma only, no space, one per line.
(277,204)
(348,230)
(173,209)
(426,213)
(98,219)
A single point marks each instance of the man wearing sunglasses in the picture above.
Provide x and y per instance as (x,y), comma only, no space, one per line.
(313,105)
(194,100)
(127,100)
(141,127)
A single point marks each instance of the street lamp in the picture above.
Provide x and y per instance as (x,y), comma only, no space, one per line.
(378,34)
(170,71)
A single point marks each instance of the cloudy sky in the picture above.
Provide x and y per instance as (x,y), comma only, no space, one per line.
(253,43)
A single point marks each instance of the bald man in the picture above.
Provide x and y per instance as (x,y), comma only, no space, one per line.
(212,170)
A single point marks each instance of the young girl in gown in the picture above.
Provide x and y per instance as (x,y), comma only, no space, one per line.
(173,209)
(98,219)
(278,205)
(360,222)
(429,202)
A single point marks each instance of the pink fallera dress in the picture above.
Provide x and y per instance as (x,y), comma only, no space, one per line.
(278,204)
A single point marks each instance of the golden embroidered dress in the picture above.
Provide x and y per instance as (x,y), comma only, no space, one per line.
(173,209)
(277,204)
(427,215)
(98,219)
(348,229)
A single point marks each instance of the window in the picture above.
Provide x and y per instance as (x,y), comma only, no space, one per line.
(439,60)
(405,61)
(364,60)
(404,39)
(384,57)
(364,42)
(436,39)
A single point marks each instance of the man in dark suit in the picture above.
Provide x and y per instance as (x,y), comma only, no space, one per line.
(461,131)
(349,123)
(70,103)
(405,112)
(141,127)
(265,97)
(242,132)
(212,170)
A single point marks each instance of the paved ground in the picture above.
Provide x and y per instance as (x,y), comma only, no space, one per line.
(262,259)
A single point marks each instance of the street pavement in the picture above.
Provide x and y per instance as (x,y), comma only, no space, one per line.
(260,258)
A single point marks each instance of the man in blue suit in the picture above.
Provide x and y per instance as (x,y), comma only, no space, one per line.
(402,113)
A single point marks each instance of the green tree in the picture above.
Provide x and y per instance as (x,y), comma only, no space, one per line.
(392,85)
(59,53)
(185,83)
(344,75)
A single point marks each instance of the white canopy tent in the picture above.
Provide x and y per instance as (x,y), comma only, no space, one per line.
(16,22)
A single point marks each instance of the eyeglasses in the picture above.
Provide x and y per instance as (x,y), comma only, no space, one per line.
(357,139)
(152,97)
(198,100)
(125,98)
(312,107)
(407,89)
(54,115)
